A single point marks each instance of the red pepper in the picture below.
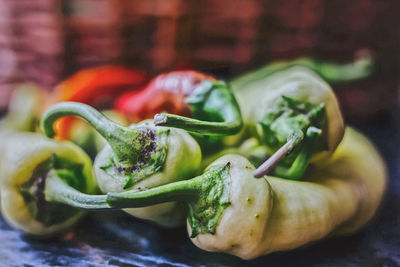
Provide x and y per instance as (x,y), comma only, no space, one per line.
(167,92)
(97,87)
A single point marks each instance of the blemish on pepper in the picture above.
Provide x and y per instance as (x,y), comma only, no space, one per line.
(249,200)
(257,215)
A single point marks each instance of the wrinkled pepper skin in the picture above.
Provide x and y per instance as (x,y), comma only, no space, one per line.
(272,214)
(183,160)
(296,82)
(21,154)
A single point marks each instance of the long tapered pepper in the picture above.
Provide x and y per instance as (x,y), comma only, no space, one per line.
(210,103)
(136,157)
(231,212)
(29,163)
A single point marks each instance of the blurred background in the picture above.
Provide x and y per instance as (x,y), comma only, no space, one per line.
(45,41)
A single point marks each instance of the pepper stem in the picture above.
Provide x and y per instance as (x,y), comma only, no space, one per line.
(122,140)
(58,191)
(214,109)
(182,190)
(332,72)
(292,141)
(198,126)
(361,67)
(300,164)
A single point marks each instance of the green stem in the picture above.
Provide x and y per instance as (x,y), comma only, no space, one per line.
(58,191)
(182,190)
(360,68)
(214,108)
(122,140)
(292,141)
(198,126)
(301,162)
(335,73)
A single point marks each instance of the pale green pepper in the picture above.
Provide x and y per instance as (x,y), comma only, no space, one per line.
(230,211)
(290,111)
(137,157)
(33,171)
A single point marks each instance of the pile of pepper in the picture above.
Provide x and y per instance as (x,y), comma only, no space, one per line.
(196,160)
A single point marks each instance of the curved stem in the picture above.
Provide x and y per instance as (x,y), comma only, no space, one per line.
(360,68)
(58,191)
(292,141)
(214,108)
(182,190)
(198,126)
(121,139)
(300,164)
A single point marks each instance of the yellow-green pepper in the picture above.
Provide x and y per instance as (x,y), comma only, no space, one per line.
(29,163)
(137,157)
(230,211)
(288,109)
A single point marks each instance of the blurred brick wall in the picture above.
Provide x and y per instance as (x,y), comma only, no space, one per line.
(46,40)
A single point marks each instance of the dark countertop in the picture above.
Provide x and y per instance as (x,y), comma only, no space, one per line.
(116,239)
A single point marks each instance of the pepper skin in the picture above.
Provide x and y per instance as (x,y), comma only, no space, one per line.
(283,107)
(27,162)
(137,157)
(232,212)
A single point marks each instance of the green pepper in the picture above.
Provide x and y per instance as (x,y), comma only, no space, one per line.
(231,212)
(289,111)
(33,171)
(136,158)
(24,109)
